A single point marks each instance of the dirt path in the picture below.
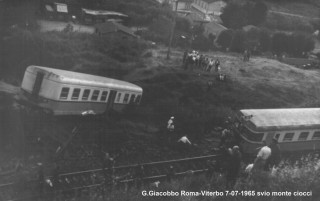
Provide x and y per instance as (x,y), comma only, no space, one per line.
(293,15)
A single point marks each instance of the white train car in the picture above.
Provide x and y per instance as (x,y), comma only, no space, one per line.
(297,129)
(71,93)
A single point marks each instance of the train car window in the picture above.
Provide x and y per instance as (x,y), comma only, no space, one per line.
(132,98)
(86,94)
(276,136)
(126,98)
(95,95)
(316,135)
(303,136)
(75,94)
(138,99)
(288,136)
(257,137)
(104,96)
(64,93)
(118,97)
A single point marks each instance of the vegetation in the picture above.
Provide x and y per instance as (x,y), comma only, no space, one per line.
(302,176)
(72,51)
(236,15)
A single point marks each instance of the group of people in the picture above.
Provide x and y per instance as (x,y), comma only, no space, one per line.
(183,141)
(268,157)
(195,59)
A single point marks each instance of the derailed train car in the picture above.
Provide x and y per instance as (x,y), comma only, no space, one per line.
(62,92)
(296,129)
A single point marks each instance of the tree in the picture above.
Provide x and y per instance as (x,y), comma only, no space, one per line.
(280,43)
(201,43)
(224,38)
(183,24)
(162,26)
(234,16)
(238,41)
(257,13)
(264,40)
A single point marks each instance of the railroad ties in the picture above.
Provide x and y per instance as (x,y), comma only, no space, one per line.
(98,180)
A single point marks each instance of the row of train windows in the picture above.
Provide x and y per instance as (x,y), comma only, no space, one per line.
(85,95)
(302,136)
(95,95)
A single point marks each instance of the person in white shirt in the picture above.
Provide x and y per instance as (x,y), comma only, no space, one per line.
(170,122)
(184,140)
(262,156)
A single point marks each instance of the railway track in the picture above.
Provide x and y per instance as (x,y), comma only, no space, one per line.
(73,183)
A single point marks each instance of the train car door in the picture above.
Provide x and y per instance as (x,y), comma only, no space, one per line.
(112,97)
(37,84)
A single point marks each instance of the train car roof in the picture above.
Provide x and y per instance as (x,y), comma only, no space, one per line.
(282,119)
(70,77)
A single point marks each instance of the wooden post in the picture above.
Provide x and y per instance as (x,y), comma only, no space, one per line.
(172,30)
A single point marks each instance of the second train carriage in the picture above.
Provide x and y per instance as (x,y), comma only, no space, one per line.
(71,93)
(297,129)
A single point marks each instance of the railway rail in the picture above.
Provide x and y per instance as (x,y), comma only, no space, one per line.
(65,184)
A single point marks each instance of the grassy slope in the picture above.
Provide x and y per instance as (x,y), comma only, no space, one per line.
(260,83)
(252,82)
(297,8)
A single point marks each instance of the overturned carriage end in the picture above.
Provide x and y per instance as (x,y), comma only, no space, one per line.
(72,93)
(295,129)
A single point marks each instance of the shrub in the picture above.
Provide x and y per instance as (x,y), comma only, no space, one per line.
(295,44)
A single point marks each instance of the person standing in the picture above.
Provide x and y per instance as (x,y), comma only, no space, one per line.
(170,123)
(275,156)
(262,157)
(234,166)
(217,65)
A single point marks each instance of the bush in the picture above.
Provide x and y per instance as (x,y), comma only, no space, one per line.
(296,44)
(289,23)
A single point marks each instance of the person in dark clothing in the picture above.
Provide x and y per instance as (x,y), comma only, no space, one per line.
(275,156)
(224,136)
(217,64)
(171,174)
(234,165)
(211,166)
(108,168)
(184,58)
(139,175)
(40,182)
(55,178)
(209,85)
